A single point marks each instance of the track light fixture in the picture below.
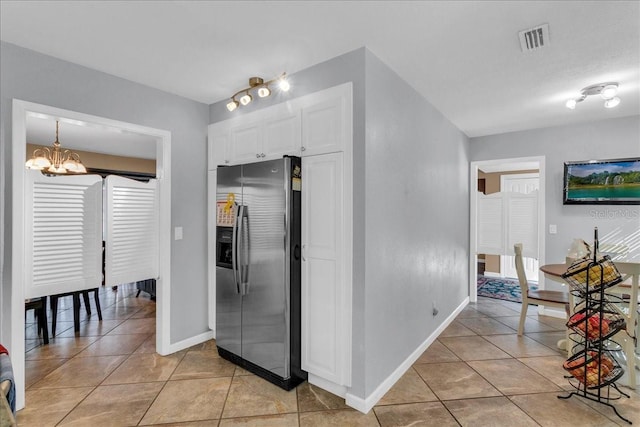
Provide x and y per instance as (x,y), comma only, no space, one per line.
(261,88)
(607,91)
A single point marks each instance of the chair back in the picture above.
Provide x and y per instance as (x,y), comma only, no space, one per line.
(522,276)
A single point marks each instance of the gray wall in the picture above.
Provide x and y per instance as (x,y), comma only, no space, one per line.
(402,216)
(417,220)
(30,76)
(605,139)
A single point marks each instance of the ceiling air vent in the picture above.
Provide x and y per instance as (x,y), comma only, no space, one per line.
(534,38)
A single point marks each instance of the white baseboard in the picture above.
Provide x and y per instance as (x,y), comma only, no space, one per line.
(338,390)
(189,342)
(365,405)
(492,274)
(552,312)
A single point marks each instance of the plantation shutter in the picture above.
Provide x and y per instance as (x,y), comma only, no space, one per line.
(522,223)
(490,223)
(63,245)
(131,235)
(505,219)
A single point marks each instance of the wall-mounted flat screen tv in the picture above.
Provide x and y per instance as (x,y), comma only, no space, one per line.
(602,182)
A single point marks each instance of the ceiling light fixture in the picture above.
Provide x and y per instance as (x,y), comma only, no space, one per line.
(607,91)
(56,160)
(262,89)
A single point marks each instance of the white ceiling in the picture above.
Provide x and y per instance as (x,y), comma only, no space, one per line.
(76,135)
(463,56)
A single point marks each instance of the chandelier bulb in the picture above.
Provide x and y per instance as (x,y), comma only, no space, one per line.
(571,104)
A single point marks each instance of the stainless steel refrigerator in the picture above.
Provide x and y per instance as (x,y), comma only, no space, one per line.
(258,268)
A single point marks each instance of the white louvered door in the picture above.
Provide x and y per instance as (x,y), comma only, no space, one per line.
(63,219)
(131,232)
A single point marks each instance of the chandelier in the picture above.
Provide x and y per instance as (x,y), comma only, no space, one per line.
(55,160)
(259,86)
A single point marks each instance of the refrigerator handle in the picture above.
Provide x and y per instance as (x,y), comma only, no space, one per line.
(234,250)
(240,250)
(304,250)
(244,251)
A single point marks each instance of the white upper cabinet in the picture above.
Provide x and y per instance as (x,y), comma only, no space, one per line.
(245,144)
(282,134)
(319,123)
(324,129)
(218,144)
(271,134)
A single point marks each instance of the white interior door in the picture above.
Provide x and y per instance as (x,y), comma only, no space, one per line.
(131,235)
(63,224)
(521,210)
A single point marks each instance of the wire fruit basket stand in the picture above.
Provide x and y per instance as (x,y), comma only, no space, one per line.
(593,369)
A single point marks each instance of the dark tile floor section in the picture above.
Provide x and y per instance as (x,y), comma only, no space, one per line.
(478,373)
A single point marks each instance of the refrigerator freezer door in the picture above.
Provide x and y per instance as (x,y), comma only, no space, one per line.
(228,299)
(265,311)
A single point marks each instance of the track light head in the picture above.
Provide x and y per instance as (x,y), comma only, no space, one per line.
(232,105)
(263,92)
(613,102)
(246,98)
(284,84)
(609,91)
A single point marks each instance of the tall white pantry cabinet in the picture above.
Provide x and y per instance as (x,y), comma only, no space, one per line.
(319,128)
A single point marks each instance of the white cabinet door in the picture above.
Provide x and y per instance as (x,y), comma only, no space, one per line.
(282,134)
(323,299)
(245,145)
(218,145)
(325,126)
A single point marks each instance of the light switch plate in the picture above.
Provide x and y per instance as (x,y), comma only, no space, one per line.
(553,229)
(177,233)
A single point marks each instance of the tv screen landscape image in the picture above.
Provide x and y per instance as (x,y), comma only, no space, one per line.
(606,182)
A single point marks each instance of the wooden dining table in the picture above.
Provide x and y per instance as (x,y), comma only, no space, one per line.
(630,284)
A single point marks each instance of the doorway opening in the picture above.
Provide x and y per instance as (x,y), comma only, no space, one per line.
(21,111)
(489,177)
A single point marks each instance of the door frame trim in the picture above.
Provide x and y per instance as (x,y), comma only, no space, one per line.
(473,216)
(163,175)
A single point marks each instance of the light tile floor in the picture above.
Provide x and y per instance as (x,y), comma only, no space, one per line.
(478,373)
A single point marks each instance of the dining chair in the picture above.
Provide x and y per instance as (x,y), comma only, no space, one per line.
(547,298)
(39,307)
(76,307)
